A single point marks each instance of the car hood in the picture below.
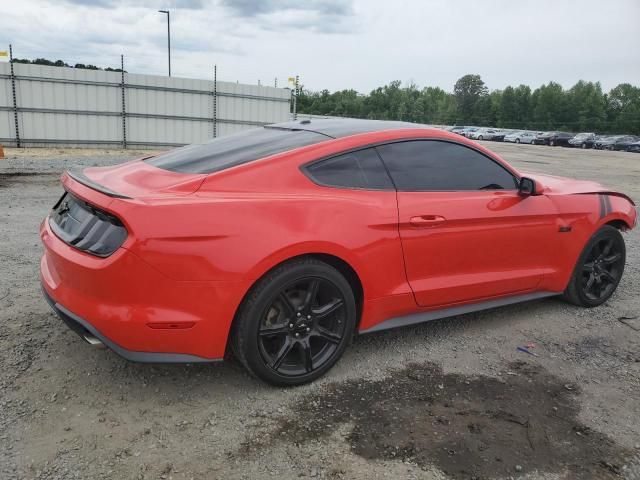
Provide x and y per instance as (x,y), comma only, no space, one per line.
(554,185)
(136,179)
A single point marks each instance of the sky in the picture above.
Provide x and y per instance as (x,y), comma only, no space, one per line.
(340,44)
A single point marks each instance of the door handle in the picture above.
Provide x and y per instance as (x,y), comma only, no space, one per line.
(427,220)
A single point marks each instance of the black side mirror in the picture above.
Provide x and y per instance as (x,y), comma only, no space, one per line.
(526,187)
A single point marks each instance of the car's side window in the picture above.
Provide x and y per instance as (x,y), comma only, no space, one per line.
(432,165)
(360,169)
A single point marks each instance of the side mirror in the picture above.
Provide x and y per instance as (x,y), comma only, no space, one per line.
(526,187)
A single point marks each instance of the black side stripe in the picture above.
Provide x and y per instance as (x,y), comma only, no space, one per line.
(603,206)
(607,202)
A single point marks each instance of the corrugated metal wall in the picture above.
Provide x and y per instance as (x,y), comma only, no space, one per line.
(75,107)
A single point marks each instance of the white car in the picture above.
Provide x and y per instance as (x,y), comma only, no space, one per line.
(521,137)
(484,134)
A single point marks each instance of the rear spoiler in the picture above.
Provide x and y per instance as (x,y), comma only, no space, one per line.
(80,177)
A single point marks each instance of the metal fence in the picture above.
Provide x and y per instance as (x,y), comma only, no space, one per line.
(59,106)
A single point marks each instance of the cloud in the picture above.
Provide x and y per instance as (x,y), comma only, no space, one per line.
(93,3)
(332,44)
(178,4)
(319,16)
(252,8)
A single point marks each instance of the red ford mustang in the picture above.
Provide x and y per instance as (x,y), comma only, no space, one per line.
(280,243)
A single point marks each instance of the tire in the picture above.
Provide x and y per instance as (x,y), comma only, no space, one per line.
(552,143)
(295,323)
(583,146)
(480,138)
(517,140)
(600,266)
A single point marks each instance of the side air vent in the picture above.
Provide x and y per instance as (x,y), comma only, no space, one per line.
(85,227)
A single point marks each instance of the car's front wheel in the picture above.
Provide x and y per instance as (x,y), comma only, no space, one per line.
(295,323)
(599,269)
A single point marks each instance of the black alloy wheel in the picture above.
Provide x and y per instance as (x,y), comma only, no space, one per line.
(296,323)
(303,326)
(599,269)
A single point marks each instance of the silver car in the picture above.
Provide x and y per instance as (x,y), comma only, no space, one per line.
(521,137)
(484,134)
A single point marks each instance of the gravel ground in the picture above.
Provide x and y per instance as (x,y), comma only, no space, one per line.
(449,399)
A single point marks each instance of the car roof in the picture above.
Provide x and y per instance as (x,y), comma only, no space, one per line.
(344,127)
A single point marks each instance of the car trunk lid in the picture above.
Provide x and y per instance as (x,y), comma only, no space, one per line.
(136,179)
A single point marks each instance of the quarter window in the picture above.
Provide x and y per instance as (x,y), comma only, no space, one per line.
(360,169)
(431,165)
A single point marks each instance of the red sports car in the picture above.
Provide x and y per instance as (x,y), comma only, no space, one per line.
(280,243)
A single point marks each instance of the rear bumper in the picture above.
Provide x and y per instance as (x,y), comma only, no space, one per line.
(92,336)
(134,309)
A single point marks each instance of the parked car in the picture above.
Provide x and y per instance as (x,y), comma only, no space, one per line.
(604,142)
(553,138)
(279,243)
(483,134)
(583,140)
(499,135)
(468,131)
(457,129)
(623,143)
(520,137)
(634,147)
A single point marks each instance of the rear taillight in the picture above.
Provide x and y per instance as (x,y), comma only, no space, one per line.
(86,227)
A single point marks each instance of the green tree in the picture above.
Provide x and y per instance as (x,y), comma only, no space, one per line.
(583,107)
(438,106)
(469,91)
(623,109)
(523,109)
(550,107)
(588,106)
(508,109)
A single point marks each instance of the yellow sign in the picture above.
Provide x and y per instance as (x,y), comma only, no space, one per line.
(4,53)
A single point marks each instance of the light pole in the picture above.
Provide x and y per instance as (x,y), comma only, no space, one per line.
(168,36)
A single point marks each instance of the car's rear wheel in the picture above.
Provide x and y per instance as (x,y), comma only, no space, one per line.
(599,269)
(517,140)
(480,137)
(295,323)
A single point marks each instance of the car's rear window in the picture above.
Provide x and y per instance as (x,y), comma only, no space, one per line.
(226,152)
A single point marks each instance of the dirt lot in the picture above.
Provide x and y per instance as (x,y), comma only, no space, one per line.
(449,399)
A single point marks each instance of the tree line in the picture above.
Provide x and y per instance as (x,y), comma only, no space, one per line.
(582,108)
(61,63)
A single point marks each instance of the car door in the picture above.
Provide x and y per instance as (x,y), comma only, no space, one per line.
(466,232)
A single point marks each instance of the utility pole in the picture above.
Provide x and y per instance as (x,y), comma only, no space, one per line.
(295,98)
(15,99)
(168,36)
(215,101)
